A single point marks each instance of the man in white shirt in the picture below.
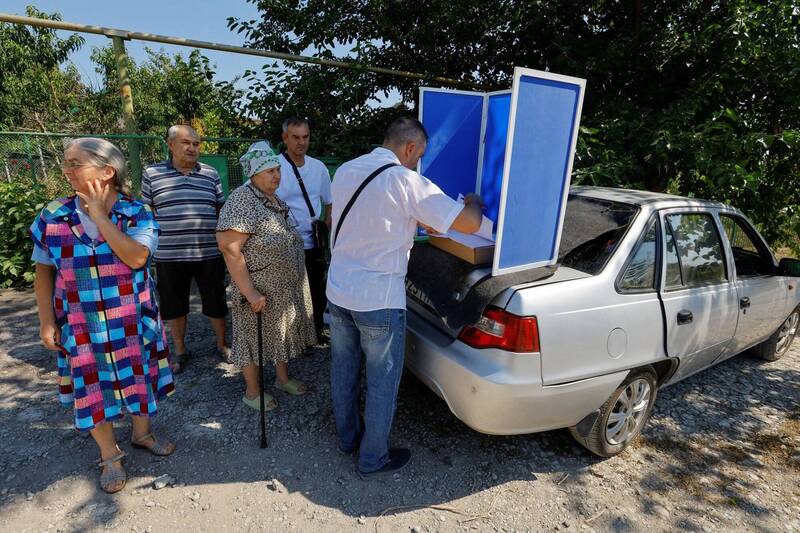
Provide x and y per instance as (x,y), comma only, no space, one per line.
(317,183)
(370,246)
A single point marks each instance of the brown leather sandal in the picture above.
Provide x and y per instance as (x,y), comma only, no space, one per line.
(158,447)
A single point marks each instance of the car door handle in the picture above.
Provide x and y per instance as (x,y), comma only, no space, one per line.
(744,303)
(685,317)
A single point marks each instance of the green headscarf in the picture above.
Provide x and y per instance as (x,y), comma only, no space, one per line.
(258,157)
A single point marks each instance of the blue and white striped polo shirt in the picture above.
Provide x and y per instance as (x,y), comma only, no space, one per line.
(186,207)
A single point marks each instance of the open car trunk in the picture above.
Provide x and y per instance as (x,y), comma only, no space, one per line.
(450,292)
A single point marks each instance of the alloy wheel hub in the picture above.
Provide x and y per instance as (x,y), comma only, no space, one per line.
(787,332)
(628,412)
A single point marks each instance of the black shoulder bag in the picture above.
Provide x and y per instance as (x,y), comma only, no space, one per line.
(355,195)
(319,230)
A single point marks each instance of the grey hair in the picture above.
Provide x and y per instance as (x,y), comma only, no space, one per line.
(173,130)
(405,130)
(102,153)
(293,121)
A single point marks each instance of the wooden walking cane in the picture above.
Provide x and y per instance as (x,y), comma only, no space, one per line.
(262,407)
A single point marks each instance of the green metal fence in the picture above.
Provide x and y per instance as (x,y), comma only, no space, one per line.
(38,156)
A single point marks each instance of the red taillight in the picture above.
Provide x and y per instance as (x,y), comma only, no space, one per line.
(498,328)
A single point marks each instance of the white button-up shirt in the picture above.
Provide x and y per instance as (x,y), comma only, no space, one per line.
(370,258)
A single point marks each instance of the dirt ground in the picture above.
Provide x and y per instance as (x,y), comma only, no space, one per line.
(721,453)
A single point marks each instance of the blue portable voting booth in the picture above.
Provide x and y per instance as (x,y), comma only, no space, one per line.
(454,139)
(493,155)
(516,149)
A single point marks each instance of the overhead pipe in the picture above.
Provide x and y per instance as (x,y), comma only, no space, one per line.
(180,41)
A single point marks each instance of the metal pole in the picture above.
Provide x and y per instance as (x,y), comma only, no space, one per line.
(76,135)
(41,162)
(29,157)
(180,41)
(127,108)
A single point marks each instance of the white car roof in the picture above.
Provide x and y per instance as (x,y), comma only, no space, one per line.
(656,200)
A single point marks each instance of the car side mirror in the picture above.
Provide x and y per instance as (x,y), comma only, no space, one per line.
(789,267)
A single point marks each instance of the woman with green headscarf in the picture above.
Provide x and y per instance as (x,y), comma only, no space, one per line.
(264,254)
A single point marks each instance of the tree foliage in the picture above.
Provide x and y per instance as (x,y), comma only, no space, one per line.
(694,97)
(21,201)
(33,88)
(171,89)
(41,90)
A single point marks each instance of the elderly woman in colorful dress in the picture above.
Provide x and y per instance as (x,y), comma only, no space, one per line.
(264,254)
(96,304)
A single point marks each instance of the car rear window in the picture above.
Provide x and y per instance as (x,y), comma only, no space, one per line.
(593,229)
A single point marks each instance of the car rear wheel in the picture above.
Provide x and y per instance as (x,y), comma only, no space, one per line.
(779,343)
(621,419)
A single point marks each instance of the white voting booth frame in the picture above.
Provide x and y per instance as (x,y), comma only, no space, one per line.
(516,148)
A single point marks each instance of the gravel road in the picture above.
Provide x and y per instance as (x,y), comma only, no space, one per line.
(721,453)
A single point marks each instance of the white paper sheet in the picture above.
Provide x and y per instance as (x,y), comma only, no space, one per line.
(468,239)
(486,230)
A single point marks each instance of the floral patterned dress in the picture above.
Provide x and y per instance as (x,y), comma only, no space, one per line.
(276,262)
(114,356)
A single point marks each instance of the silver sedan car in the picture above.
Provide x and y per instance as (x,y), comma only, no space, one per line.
(650,288)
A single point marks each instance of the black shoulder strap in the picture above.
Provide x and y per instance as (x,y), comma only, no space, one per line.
(300,181)
(355,195)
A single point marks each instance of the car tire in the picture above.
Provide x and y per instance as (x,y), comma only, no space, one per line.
(620,421)
(779,342)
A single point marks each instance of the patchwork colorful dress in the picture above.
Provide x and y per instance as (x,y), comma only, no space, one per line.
(114,355)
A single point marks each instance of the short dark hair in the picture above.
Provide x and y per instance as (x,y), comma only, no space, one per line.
(405,130)
(294,121)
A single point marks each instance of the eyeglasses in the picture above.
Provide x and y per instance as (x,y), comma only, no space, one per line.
(67,166)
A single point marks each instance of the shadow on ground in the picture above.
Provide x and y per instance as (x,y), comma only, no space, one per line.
(698,429)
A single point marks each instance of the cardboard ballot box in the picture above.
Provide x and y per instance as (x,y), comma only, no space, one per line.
(515,148)
(471,248)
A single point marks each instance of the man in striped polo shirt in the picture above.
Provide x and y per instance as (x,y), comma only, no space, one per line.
(186,197)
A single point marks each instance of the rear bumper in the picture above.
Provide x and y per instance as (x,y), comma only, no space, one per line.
(498,392)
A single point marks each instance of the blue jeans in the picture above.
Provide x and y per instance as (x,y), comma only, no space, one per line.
(377,337)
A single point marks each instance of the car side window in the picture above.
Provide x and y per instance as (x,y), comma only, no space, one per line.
(641,271)
(699,249)
(673,278)
(749,258)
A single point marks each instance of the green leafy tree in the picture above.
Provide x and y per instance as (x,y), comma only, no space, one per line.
(698,98)
(21,201)
(34,92)
(171,89)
